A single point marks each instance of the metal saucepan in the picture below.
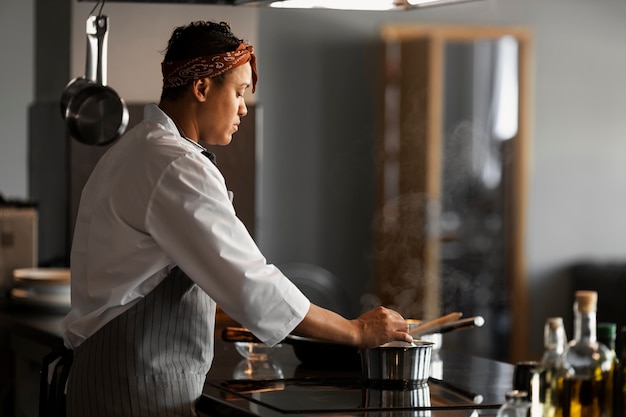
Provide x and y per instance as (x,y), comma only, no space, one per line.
(397,364)
(94,113)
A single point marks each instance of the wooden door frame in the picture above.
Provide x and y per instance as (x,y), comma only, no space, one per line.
(429,78)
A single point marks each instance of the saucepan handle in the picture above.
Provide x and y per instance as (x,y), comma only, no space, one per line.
(468,323)
(97,42)
(239,334)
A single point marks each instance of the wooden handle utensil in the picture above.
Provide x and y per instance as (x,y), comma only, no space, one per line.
(428,326)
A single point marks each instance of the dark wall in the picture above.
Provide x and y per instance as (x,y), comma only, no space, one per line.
(320,102)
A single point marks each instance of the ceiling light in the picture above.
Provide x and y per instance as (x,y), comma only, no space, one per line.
(359,4)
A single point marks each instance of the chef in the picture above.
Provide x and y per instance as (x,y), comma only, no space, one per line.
(157,245)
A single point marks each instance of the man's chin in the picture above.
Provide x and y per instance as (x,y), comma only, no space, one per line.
(222,142)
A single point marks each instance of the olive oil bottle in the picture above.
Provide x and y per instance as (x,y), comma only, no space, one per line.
(588,364)
(547,380)
(621,379)
(607,335)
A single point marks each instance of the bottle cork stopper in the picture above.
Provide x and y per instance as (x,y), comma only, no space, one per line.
(554,322)
(586,301)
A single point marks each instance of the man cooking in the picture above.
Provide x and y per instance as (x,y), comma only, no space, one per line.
(157,245)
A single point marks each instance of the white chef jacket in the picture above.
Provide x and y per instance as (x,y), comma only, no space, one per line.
(155,201)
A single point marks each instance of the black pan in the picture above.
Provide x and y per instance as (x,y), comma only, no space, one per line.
(94,113)
(320,354)
(311,352)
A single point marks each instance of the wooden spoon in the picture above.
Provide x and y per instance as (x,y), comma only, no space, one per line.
(428,326)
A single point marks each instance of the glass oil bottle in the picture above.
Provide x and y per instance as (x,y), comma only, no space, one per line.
(516,404)
(621,391)
(607,335)
(547,380)
(588,364)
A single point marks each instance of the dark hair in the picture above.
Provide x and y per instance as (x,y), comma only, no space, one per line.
(194,40)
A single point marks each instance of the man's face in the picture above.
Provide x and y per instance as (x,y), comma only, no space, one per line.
(221,112)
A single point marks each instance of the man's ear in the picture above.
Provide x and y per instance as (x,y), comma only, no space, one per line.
(200,88)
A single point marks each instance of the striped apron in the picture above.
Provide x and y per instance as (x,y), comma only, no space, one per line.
(151,360)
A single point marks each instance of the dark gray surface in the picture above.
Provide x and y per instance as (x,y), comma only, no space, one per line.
(480,382)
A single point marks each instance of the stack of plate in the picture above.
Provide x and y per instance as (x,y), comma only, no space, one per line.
(42,287)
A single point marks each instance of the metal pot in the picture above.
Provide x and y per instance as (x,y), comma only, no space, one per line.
(94,113)
(398,364)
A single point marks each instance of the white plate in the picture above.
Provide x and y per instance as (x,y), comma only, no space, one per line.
(39,275)
(26,297)
(41,288)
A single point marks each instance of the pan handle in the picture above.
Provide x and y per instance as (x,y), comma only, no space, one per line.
(477,321)
(97,40)
(427,327)
(239,334)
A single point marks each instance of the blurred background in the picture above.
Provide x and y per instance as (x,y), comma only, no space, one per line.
(318,121)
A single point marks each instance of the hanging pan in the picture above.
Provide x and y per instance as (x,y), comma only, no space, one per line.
(94,113)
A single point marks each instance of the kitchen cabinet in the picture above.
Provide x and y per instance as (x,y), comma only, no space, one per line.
(452,180)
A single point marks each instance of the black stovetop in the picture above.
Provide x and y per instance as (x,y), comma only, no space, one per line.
(340,395)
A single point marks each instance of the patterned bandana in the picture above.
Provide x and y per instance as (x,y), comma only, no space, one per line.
(177,73)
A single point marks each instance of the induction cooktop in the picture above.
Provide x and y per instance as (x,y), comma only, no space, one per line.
(345,395)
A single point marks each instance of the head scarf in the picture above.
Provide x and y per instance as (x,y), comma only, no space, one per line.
(177,73)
